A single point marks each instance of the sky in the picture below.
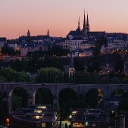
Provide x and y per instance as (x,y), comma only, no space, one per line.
(60,16)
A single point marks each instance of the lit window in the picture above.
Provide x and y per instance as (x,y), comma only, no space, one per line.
(37,117)
(43,125)
(99,90)
(74,112)
(86,123)
(37,111)
(44,107)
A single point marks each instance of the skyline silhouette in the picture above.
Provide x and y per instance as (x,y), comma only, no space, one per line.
(60,16)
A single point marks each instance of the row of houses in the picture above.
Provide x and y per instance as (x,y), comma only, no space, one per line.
(81,41)
(79,45)
(26,44)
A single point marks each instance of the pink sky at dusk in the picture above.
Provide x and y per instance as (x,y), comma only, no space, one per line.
(60,16)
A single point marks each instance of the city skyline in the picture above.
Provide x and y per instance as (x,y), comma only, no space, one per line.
(60,16)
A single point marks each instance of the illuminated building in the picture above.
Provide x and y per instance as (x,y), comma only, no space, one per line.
(34,117)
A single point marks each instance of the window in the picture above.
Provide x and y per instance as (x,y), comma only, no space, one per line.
(43,125)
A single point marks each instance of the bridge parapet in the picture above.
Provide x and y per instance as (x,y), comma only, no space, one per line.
(56,88)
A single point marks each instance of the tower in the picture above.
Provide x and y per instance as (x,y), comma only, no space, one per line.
(28,33)
(48,33)
(84,32)
(87,24)
(84,26)
(79,23)
(71,69)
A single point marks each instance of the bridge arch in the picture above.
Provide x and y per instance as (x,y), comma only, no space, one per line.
(114,87)
(66,95)
(20,94)
(7,88)
(66,86)
(118,92)
(94,97)
(43,96)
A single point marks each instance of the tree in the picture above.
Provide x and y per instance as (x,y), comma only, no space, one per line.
(8,50)
(19,98)
(20,65)
(50,75)
(17,102)
(33,62)
(44,96)
(2,79)
(99,42)
(9,75)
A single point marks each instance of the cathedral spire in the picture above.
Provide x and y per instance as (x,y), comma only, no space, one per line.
(79,23)
(84,25)
(87,25)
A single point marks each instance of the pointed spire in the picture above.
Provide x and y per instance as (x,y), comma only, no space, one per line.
(84,20)
(84,25)
(79,23)
(87,25)
(87,18)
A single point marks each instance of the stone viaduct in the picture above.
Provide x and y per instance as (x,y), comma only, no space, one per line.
(55,88)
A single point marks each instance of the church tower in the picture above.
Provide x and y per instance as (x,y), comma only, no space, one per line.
(48,33)
(87,24)
(71,69)
(28,33)
(84,26)
(85,34)
(78,30)
(79,23)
